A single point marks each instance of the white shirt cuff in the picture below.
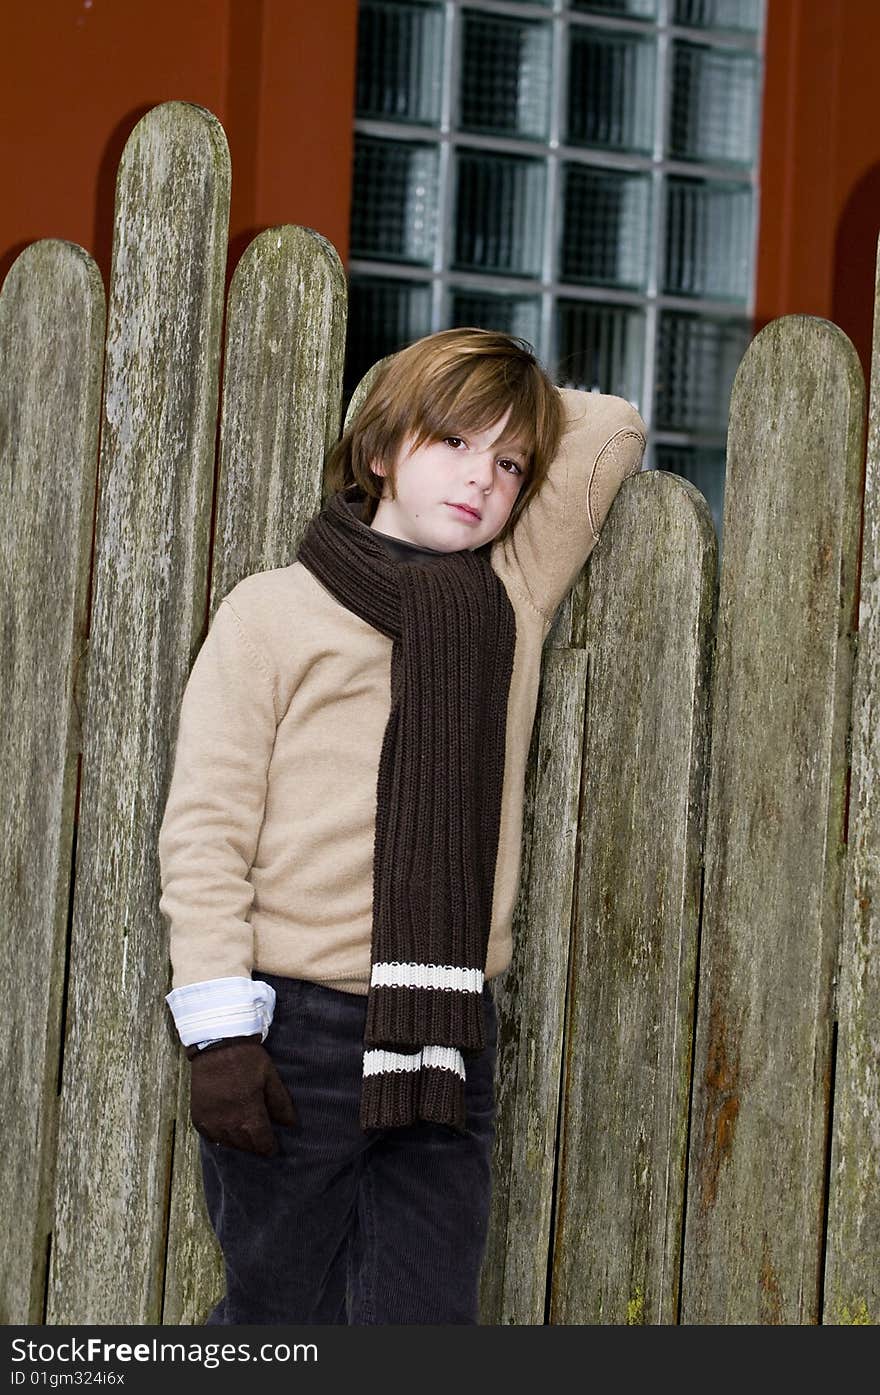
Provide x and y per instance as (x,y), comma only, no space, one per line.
(222,1007)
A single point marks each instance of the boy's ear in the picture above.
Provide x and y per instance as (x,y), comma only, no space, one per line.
(378,468)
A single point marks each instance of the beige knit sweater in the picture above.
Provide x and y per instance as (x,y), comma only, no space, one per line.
(266,845)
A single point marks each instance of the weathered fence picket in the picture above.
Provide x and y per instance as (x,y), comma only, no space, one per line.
(645,621)
(852,1260)
(285,347)
(530,1001)
(51,345)
(119,1076)
(698,902)
(774,844)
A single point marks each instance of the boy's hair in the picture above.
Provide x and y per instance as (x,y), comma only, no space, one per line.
(454,382)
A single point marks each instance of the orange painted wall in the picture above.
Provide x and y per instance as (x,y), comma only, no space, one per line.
(76,76)
(820,167)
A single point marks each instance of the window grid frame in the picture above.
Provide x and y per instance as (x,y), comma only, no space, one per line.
(547,290)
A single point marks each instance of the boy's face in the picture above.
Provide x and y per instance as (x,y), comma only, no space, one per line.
(482,470)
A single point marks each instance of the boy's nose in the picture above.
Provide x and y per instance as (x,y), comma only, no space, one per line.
(481,470)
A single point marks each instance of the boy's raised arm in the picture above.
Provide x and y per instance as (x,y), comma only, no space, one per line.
(602,444)
(209,834)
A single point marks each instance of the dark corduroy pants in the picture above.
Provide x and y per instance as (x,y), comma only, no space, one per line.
(342,1225)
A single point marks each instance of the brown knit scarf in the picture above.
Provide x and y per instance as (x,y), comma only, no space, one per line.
(438,806)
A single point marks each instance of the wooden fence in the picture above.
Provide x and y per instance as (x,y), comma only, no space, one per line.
(688,1072)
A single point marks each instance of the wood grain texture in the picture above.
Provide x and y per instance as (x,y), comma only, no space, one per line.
(51,349)
(530,1002)
(852,1266)
(775,830)
(646,624)
(285,348)
(121,1062)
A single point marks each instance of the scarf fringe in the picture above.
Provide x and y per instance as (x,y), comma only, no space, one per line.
(396,1098)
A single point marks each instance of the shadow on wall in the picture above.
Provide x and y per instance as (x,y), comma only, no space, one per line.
(855,253)
(9,256)
(101,246)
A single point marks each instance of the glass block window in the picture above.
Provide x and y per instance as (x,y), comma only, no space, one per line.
(383,314)
(581,173)
(696,362)
(610,90)
(600,347)
(498,204)
(718,14)
(505,76)
(714,107)
(708,239)
(509,314)
(396,217)
(605,226)
(629,9)
(400,62)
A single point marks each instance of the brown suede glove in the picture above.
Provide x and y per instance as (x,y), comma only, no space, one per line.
(235,1090)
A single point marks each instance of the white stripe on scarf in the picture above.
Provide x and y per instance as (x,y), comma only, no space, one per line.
(377,1061)
(396,975)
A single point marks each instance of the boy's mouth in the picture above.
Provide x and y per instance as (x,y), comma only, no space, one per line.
(466,511)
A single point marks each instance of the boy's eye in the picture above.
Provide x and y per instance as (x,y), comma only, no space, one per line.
(456,441)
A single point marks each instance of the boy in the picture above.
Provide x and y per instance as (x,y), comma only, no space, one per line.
(340,847)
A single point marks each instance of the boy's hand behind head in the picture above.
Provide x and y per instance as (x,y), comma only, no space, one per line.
(235,1095)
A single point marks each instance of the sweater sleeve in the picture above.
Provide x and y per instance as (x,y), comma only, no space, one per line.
(216,801)
(602,445)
